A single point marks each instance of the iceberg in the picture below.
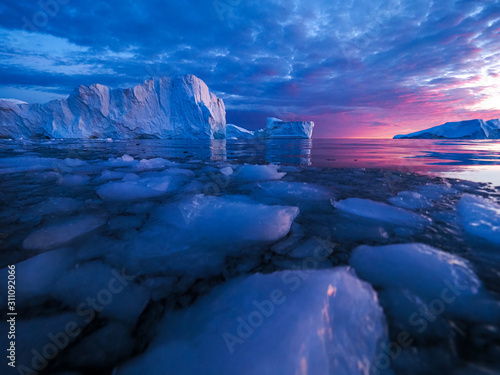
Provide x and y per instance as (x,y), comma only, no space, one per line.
(323,322)
(237,132)
(470,129)
(275,129)
(182,107)
(165,108)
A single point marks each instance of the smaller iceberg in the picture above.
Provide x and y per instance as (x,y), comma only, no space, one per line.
(275,129)
(236,132)
(470,129)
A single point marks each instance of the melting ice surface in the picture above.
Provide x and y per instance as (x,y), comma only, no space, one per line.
(167,256)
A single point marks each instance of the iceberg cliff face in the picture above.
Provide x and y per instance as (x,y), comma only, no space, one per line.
(181,107)
(471,129)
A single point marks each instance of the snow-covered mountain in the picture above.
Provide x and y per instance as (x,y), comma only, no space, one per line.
(180,107)
(471,129)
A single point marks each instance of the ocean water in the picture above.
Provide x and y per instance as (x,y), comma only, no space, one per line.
(184,219)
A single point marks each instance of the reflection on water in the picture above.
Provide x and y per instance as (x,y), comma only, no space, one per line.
(477,160)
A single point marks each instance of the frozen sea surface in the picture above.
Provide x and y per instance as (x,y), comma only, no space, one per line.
(146,256)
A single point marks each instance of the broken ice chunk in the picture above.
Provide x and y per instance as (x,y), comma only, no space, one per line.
(108,175)
(480,217)
(258,172)
(53,235)
(39,274)
(444,281)
(98,288)
(435,192)
(382,212)
(72,180)
(410,200)
(271,324)
(293,190)
(230,218)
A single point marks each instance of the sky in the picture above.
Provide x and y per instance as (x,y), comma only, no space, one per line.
(358,68)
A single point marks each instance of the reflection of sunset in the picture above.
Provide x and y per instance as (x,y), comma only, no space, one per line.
(477,160)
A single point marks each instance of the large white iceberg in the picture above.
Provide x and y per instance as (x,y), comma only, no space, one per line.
(180,107)
(290,322)
(470,129)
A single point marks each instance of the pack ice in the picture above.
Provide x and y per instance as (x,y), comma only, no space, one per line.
(290,322)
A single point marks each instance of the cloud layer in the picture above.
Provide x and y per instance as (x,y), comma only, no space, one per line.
(356,67)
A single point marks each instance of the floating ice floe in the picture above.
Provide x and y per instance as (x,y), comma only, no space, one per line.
(410,200)
(39,274)
(96,288)
(437,277)
(202,230)
(72,180)
(480,217)
(293,191)
(51,206)
(23,164)
(230,218)
(133,187)
(226,171)
(435,192)
(381,212)
(108,175)
(58,234)
(258,172)
(280,323)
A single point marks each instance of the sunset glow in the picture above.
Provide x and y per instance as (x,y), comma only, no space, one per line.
(358,69)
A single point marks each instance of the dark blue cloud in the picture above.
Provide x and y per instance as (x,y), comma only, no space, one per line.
(365,59)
